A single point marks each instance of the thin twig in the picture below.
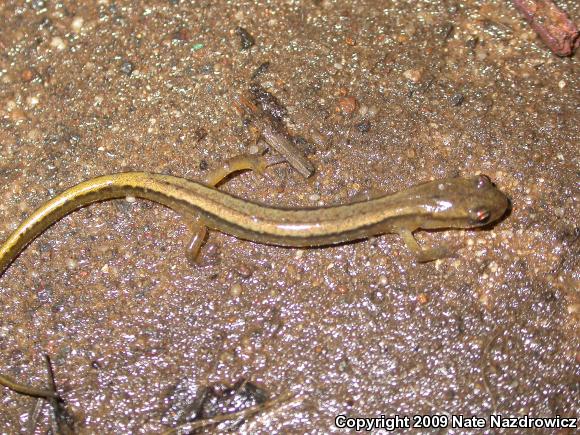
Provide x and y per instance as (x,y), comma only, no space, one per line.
(244,414)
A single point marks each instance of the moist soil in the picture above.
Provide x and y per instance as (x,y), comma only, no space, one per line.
(379,95)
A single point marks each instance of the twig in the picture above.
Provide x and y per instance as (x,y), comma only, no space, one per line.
(485,364)
(276,139)
(552,24)
(244,414)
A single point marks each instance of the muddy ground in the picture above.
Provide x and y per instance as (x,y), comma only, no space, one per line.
(383,95)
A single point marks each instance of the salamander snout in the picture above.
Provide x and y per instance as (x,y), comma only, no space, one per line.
(483,202)
(462,202)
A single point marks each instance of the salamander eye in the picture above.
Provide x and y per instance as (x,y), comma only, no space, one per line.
(482,181)
(479,216)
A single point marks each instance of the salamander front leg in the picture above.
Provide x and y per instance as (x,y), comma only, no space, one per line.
(422,254)
(244,162)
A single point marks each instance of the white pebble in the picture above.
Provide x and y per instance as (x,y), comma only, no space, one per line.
(71,263)
(77,24)
(32,101)
(236,290)
(58,43)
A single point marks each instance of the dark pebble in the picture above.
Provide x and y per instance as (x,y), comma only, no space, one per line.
(472,43)
(127,68)
(44,294)
(447,31)
(308,148)
(45,23)
(457,99)
(261,70)
(246,39)
(199,134)
(39,5)
(181,35)
(244,270)
(203,165)
(268,102)
(364,126)
(206,69)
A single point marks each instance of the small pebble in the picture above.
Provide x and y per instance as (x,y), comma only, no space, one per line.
(181,35)
(377,297)
(127,68)
(364,126)
(246,40)
(58,43)
(199,134)
(573,308)
(559,211)
(236,290)
(18,115)
(423,298)
(77,24)
(244,270)
(130,199)
(39,5)
(262,69)
(347,105)
(27,75)
(34,135)
(32,101)
(457,99)
(413,74)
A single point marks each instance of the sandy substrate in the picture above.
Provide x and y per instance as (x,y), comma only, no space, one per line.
(383,95)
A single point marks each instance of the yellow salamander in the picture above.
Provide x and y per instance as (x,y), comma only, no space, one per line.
(468,202)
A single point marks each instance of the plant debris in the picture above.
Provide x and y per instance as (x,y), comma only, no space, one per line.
(552,24)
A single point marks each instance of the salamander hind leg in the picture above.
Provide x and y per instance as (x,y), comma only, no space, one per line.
(424,255)
(199,234)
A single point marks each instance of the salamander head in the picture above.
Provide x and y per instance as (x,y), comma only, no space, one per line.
(464,202)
